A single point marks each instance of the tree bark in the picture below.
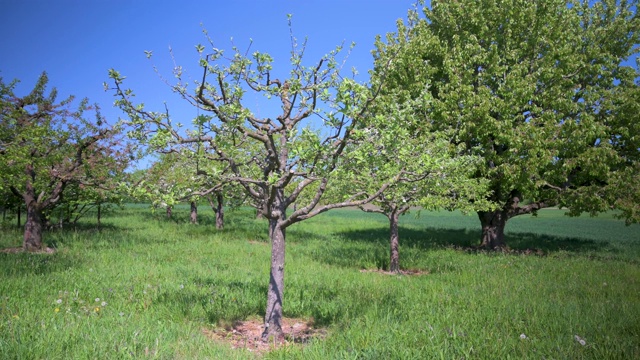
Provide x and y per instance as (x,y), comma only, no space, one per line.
(275,294)
(194,213)
(493,224)
(169,211)
(394,262)
(99,213)
(32,240)
(273,314)
(218,209)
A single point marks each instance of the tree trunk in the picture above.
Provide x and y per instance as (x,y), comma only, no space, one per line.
(99,213)
(277,212)
(493,224)
(194,213)
(33,228)
(273,314)
(218,209)
(394,262)
(220,218)
(67,214)
(169,209)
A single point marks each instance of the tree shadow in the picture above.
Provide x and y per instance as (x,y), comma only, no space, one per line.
(331,305)
(551,243)
(24,263)
(225,302)
(206,217)
(431,238)
(370,247)
(219,301)
(82,227)
(297,235)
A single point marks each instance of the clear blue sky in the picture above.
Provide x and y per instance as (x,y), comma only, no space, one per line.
(77,41)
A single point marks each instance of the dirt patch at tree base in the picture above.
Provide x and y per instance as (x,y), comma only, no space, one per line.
(16,250)
(247,334)
(504,250)
(409,272)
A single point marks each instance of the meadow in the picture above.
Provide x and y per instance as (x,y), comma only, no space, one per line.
(143,286)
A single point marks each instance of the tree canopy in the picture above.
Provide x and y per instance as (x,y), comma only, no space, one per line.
(276,158)
(46,146)
(541,90)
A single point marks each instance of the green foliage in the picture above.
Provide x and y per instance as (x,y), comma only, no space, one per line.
(301,144)
(51,154)
(539,90)
(279,160)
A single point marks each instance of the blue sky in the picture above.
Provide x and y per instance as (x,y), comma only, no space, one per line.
(77,41)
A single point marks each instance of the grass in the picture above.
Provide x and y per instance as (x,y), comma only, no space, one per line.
(146,287)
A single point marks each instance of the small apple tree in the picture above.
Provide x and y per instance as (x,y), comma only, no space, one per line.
(302,143)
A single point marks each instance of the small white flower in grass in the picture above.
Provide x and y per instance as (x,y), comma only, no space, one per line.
(104,303)
(523,336)
(97,299)
(580,340)
(121,314)
(59,301)
(181,286)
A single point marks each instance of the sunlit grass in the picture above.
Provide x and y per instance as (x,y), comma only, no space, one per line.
(144,286)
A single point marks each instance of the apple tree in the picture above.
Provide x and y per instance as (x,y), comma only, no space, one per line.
(544,92)
(315,114)
(47,146)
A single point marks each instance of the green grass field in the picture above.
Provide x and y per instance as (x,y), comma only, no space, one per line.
(146,287)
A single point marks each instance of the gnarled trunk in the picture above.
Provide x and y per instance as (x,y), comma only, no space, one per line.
(493,224)
(273,314)
(32,240)
(394,262)
(220,218)
(194,213)
(218,209)
(169,211)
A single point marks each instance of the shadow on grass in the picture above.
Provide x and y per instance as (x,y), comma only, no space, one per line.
(224,302)
(431,238)
(21,264)
(297,235)
(370,247)
(82,227)
(218,301)
(182,215)
(15,262)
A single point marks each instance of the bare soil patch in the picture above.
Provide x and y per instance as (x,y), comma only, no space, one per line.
(506,250)
(247,334)
(409,272)
(15,250)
